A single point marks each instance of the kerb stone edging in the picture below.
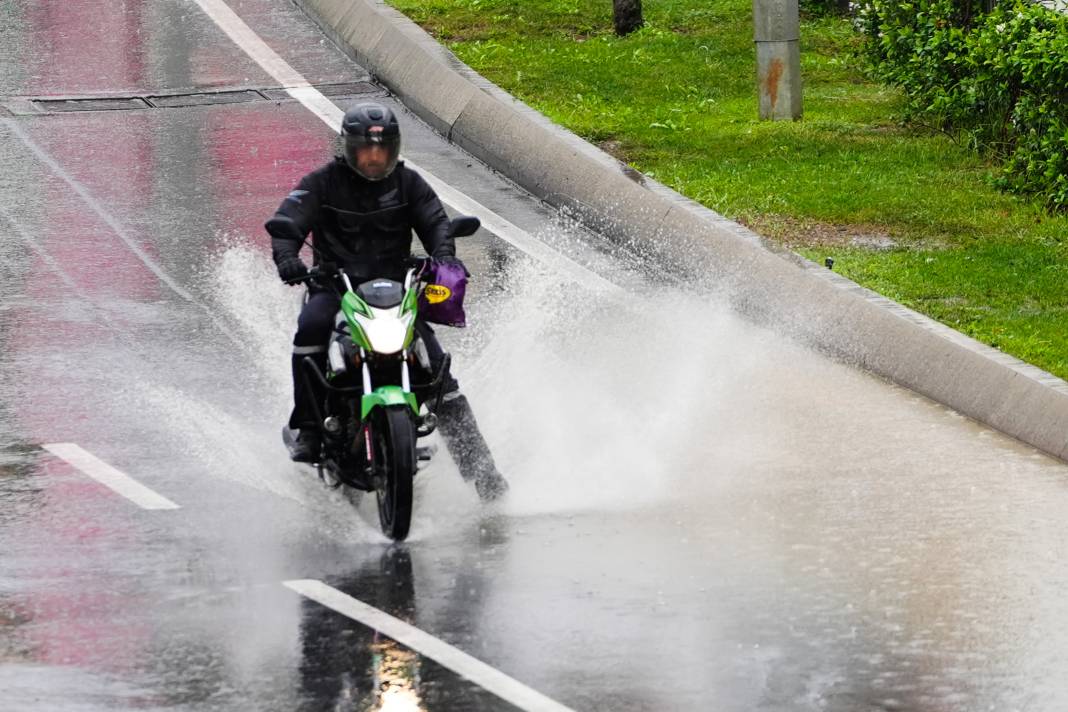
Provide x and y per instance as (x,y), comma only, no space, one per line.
(765,282)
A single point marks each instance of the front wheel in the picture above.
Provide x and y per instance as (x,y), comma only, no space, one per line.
(393,438)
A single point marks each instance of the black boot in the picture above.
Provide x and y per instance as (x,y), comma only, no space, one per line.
(468,448)
(307,446)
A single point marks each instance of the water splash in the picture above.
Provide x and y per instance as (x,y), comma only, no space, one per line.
(597,401)
(589,399)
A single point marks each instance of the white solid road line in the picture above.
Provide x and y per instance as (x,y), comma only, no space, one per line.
(99,209)
(299,88)
(108,476)
(478,672)
(516,236)
(33,244)
(111,221)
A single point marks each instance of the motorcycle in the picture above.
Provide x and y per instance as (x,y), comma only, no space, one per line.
(378,378)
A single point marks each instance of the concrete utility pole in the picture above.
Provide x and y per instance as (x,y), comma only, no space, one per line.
(778,28)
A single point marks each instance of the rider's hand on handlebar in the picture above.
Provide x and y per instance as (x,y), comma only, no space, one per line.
(421,265)
(452,260)
(292,270)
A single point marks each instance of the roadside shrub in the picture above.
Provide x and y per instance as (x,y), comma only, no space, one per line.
(819,8)
(997,79)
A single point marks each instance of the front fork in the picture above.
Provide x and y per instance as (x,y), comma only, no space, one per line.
(369,445)
(377,402)
(366,422)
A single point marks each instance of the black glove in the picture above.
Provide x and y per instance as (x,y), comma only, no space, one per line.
(452,260)
(292,269)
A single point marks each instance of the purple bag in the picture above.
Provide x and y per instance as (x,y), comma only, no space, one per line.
(442,300)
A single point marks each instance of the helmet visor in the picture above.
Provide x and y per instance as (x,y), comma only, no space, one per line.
(373,157)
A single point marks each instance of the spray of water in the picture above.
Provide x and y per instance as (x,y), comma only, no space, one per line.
(602,400)
(225,413)
(244,286)
(590,400)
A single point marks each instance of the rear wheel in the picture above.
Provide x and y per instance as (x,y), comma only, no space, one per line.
(393,431)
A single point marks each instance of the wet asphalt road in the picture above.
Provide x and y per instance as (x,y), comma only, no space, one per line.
(703,516)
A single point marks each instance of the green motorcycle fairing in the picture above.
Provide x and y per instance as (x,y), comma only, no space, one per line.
(354,308)
(351,305)
(385,396)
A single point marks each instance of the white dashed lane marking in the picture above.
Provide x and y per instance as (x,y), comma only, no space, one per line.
(507,688)
(105,474)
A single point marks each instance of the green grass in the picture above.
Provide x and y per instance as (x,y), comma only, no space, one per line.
(907,213)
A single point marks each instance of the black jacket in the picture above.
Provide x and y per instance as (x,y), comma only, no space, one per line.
(364,226)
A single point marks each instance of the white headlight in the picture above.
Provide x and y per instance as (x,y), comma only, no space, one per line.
(387,331)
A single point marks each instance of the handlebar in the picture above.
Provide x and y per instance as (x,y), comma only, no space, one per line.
(328,270)
(460,226)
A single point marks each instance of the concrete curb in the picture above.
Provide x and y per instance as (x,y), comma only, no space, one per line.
(765,282)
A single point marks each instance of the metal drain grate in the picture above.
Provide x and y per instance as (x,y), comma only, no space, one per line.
(23,106)
(172,101)
(329,90)
(348,89)
(93,104)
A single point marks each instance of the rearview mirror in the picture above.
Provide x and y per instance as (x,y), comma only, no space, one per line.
(464,225)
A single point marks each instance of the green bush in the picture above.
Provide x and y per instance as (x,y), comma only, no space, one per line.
(820,8)
(997,79)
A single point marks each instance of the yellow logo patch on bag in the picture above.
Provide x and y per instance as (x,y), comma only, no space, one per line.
(436,293)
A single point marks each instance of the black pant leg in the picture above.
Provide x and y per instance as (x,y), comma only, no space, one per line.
(314,326)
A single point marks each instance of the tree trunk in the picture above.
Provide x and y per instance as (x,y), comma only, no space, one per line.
(627,15)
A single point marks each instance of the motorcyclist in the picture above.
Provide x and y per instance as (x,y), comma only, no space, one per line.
(361,209)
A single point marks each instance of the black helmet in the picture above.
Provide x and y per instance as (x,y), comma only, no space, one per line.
(370,124)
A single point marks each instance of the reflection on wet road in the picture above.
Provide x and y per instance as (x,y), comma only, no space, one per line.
(703,515)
